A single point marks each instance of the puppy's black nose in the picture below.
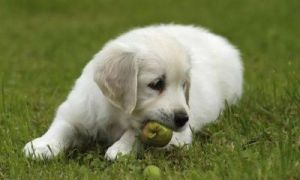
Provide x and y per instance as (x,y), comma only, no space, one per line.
(181,118)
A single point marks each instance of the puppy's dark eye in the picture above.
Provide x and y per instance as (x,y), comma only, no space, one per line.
(157,84)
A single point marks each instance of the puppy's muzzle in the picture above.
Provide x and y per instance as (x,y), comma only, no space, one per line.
(180,118)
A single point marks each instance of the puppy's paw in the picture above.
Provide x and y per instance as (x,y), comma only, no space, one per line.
(40,148)
(181,139)
(116,150)
(178,143)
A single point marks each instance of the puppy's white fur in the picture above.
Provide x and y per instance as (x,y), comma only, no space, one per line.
(111,100)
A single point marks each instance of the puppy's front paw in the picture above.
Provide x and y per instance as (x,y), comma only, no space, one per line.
(178,143)
(181,139)
(116,150)
(40,148)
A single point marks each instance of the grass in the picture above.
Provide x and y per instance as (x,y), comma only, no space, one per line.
(45,44)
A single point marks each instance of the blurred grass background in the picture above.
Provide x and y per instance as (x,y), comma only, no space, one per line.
(45,44)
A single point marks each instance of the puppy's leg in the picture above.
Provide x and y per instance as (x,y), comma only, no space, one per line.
(183,138)
(122,146)
(58,137)
(55,140)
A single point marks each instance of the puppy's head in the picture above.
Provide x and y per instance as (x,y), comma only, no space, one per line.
(149,81)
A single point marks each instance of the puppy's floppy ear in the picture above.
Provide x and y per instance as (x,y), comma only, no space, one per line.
(116,76)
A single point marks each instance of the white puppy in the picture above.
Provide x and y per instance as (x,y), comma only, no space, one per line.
(178,75)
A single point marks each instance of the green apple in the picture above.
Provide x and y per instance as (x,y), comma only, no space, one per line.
(152,172)
(155,134)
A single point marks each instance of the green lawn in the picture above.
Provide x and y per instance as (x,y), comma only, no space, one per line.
(45,44)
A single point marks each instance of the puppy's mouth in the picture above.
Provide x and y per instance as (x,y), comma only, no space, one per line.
(170,126)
